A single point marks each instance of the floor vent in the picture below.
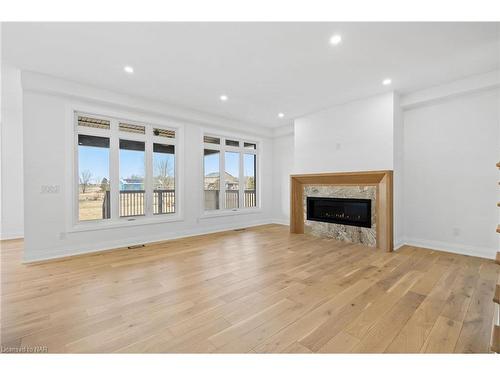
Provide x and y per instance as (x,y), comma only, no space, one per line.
(239,229)
(136,246)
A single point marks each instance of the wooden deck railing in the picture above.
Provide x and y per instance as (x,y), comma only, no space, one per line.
(132,202)
(232,199)
(250,198)
(163,201)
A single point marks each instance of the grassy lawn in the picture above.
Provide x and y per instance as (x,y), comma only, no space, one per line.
(90,203)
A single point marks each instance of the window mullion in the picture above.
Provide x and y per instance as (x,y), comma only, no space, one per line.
(222,179)
(114,172)
(148,180)
(241,182)
(256,180)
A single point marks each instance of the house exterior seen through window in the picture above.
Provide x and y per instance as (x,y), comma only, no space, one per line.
(236,186)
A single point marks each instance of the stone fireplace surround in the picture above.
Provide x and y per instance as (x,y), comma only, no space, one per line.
(376,185)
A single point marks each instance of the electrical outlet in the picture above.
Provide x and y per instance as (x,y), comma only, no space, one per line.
(49,189)
(338,146)
(456,232)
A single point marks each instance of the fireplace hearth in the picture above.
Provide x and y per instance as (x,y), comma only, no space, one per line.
(346,211)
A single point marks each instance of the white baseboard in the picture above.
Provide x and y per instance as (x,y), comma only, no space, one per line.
(399,245)
(482,252)
(476,251)
(119,244)
(11,236)
(280,221)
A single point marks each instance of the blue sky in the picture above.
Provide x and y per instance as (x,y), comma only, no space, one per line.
(96,160)
(231,163)
(248,166)
(131,163)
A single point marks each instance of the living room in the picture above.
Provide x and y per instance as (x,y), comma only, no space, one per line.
(250,187)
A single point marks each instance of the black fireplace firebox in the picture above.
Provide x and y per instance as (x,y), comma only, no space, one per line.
(347,211)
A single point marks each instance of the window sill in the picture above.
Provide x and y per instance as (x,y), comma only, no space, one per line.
(236,212)
(123,222)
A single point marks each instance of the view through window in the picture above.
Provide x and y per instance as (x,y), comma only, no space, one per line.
(141,150)
(163,178)
(132,173)
(93,177)
(237,186)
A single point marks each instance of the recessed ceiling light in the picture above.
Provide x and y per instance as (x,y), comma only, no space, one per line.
(387,82)
(335,39)
(224,98)
(281,115)
(128,69)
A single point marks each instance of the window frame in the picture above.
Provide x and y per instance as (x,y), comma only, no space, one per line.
(222,147)
(114,135)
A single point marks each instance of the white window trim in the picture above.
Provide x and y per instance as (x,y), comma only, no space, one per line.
(221,212)
(75,225)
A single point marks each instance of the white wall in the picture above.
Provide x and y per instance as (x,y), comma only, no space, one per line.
(283,151)
(12,225)
(450,179)
(47,161)
(357,136)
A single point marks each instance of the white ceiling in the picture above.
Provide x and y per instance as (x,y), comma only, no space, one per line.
(264,68)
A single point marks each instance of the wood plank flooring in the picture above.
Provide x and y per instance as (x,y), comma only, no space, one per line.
(260,290)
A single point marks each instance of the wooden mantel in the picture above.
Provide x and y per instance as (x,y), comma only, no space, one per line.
(381,179)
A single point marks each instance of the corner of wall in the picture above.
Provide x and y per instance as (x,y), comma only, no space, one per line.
(283,161)
(398,156)
(12,200)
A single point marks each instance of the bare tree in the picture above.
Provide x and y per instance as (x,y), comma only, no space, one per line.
(85,177)
(163,169)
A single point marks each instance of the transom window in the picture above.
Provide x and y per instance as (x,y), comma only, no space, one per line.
(230,173)
(124,169)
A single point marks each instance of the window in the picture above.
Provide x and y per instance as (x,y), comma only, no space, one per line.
(132,175)
(212,179)
(232,180)
(252,146)
(125,170)
(236,188)
(249,167)
(230,142)
(214,140)
(163,179)
(93,177)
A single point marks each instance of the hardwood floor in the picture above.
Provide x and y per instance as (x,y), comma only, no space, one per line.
(259,290)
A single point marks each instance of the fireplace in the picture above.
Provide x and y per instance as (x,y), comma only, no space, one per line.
(346,211)
(322,184)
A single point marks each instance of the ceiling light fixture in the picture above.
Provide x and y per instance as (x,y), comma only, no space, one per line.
(281,115)
(223,98)
(387,82)
(335,39)
(128,69)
